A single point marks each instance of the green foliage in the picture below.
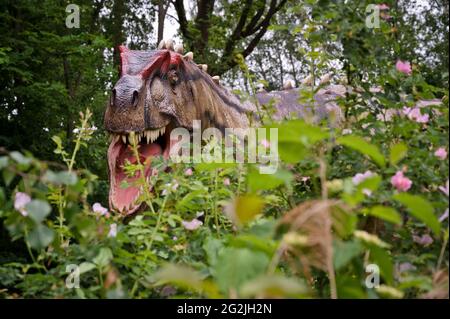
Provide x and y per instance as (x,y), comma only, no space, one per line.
(309,230)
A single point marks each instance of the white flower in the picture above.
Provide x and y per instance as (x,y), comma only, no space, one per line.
(192,225)
(98,208)
(359,178)
(20,201)
(112,230)
(444,189)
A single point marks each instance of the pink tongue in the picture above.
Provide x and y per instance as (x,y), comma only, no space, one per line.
(126,196)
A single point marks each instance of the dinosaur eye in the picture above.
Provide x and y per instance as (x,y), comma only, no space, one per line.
(135,98)
(173,77)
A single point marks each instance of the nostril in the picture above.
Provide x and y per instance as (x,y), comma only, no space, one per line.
(113,97)
(135,98)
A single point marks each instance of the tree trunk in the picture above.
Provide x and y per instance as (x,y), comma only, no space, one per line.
(118,38)
(163,5)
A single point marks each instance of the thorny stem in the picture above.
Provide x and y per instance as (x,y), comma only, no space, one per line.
(441,255)
(275,259)
(158,222)
(62,202)
(216,217)
(142,172)
(244,69)
(238,191)
(84,125)
(330,267)
(148,202)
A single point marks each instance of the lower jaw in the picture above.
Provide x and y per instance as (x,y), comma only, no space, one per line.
(126,201)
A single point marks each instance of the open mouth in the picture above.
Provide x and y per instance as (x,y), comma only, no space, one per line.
(123,193)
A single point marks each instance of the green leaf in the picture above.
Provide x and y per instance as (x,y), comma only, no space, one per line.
(185,278)
(235,266)
(2,197)
(86,266)
(421,209)
(299,131)
(344,251)
(103,258)
(61,178)
(397,153)
(38,209)
(40,237)
(361,145)
(19,158)
(3,162)
(258,181)
(244,208)
(383,260)
(8,176)
(275,286)
(387,213)
(292,152)
(212,247)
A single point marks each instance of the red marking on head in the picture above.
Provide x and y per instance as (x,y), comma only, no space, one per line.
(123,59)
(163,62)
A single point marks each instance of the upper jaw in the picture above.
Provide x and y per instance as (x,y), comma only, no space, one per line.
(147,135)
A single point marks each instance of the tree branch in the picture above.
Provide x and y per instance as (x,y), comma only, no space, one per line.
(236,35)
(250,28)
(181,13)
(203,22)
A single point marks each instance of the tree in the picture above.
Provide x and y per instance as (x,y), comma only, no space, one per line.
(208,33)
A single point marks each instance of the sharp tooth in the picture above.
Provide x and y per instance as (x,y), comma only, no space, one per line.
(147,136)
(124,139)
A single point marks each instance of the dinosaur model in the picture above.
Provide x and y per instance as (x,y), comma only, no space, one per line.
(159,90)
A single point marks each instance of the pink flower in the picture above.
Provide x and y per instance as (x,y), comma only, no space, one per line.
(444,216)
(98,208)
(170,187)
(403,67)
(400,182)
(347,131)
(444,189)
(405,267)
(359,178)
(226,181)
(188,172)
(423,240)
(441,153)
(415,114)
(112,230)
(192,225)
(20,201)
(265,143)
(383,6)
